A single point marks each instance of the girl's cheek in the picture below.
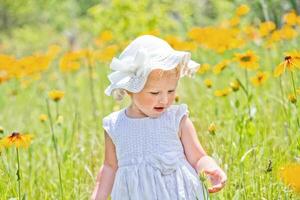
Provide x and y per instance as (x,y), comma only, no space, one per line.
(150,99)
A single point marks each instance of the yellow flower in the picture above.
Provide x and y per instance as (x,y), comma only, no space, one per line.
(235,85)
(43,117)
(3,76)
(247,60)
(178,43)
(104,37)
(222,93)
(290,175)
(210,37)
(70,61)
(266,27)
(242,10)
(16,139)
(288,32)
(56,95)
(107,53)
(221,66)
(203,68)
(234,21)
(291,61)
(212,128)
(290,18)
(260,78)
(292,98)
(208,83)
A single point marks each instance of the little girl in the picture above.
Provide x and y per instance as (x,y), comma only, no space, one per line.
(151,147)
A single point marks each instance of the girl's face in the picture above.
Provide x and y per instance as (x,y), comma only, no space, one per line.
(157,95)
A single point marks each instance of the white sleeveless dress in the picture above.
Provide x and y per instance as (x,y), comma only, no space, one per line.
(151,160)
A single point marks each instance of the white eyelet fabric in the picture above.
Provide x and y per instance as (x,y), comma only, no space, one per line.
(151,160)
(140,57)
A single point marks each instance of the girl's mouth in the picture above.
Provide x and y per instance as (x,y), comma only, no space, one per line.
(159,109)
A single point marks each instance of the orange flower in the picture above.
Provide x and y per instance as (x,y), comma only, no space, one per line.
(43,117)
(266,27)
(221,66)
(292,98)
(212,128)
(203,68)
(56,95)
(288,32)
(16,139)
(234,21)
(290,18)
(247,60)
(208,83)
(290,174)
(242,10)
(260,78)
(104,37)
(291,61)
(235,85)
(222,93)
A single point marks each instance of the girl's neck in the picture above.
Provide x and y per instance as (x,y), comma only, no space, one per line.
(134,112)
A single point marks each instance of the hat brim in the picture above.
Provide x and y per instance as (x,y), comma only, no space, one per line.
(136,83)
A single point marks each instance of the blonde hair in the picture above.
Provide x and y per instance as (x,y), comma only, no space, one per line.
(175,70)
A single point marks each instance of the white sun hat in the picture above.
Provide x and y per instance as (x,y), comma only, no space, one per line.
(140,57)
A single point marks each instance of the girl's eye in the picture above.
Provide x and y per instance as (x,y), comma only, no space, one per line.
(154,93)
(171,91)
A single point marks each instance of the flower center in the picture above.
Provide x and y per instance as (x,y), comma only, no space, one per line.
(246,58)
(288,58)
(15,134)
(260,77)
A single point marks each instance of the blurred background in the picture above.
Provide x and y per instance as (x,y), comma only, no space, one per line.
(30,25)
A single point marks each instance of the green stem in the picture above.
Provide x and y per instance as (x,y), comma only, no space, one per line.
(282,97)
(54,142)
(57,110)
(295,93)
(18,174)
(246,79)
(247,88)
(293,83)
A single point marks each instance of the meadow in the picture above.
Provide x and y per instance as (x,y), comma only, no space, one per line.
(244,100)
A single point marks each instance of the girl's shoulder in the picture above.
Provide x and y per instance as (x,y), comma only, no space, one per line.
(109,122)
(176,112)
(178,109)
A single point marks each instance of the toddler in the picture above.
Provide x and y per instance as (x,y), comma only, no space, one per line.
(151,147)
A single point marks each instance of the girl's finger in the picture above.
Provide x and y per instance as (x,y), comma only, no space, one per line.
(216,188)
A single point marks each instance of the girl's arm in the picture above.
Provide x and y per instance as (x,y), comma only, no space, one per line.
(197,157)
(107,172)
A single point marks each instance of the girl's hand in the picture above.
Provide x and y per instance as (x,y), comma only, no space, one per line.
(217,178)
(216,175)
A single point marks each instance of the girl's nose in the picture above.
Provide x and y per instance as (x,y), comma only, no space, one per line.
(163,99)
